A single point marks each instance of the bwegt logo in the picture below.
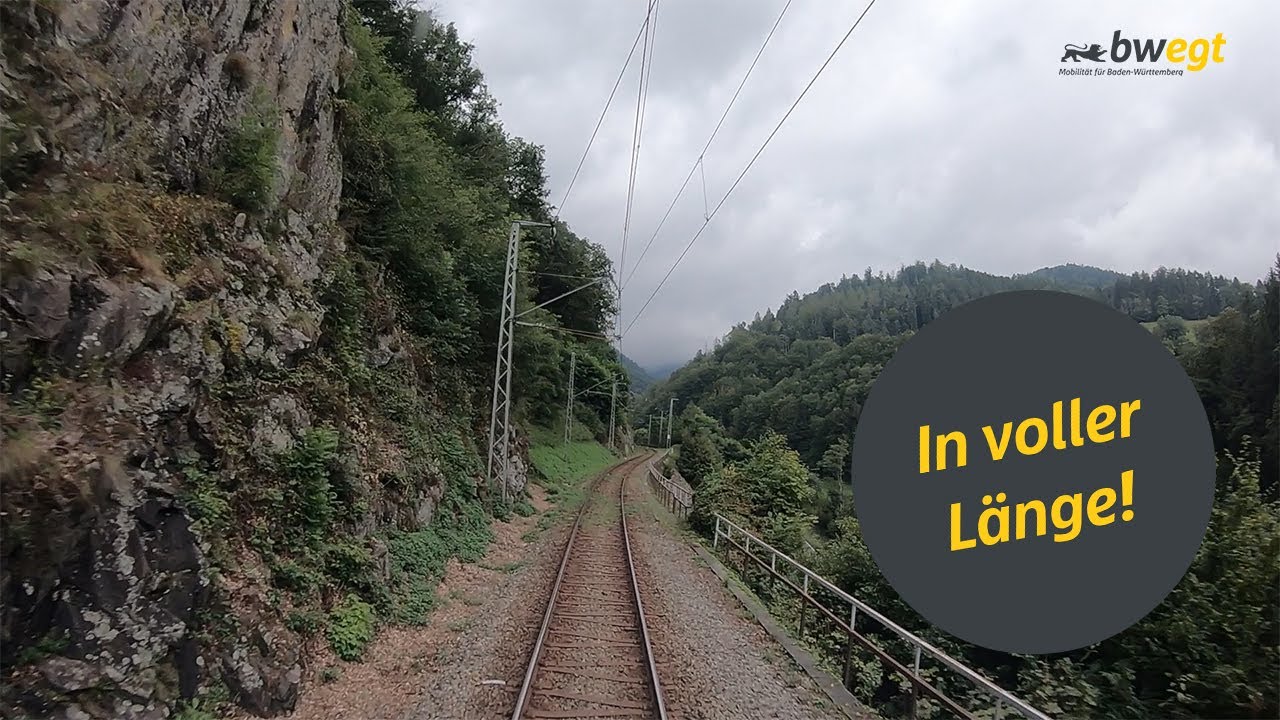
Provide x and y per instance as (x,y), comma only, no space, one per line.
(1195,53)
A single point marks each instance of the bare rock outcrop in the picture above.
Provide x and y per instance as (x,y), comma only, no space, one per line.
(107,582)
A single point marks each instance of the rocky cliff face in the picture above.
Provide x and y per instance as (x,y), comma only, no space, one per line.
(159,351)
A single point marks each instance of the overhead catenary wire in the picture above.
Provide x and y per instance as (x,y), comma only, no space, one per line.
(642,87)
(562,276)
(593,387)
(755,157)
(621,74)
(569,331)
(699,162)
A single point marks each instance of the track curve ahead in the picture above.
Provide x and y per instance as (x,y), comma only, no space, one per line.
(593,657)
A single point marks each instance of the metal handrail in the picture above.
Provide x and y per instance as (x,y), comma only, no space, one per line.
(726,528)
(675,498)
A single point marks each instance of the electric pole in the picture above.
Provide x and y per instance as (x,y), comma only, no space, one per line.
(499,465)
(613,401)
(671,406)
(568,404)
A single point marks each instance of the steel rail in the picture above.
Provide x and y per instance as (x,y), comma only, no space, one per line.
(535,657)
(526,687)
(656,686)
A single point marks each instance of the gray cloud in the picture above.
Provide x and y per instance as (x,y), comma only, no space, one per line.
(942,130)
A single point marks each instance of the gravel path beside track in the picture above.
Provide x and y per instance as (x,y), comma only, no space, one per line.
(480,672)
(481,632)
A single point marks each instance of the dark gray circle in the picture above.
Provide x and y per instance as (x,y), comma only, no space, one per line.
(1006,358)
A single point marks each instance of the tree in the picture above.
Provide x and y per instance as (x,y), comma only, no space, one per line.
(697,457)
(1172,331)
(1209,650)
(834,461)
(776,489)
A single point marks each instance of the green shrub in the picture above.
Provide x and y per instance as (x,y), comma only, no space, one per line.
(421,553)
(207,501)
(351,628)
(309,497)
(292,575)
(352,566)
(460,529)
(416,600)
(194,711)
(245,174)
(304,622)
(348,563)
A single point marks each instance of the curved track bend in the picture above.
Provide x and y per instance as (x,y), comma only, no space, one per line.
(593,658)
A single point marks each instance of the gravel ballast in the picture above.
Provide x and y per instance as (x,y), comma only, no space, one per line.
(715,661)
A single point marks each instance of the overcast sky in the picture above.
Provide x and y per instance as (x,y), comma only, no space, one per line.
(941,130)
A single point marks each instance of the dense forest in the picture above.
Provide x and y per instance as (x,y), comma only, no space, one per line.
(765,420)
(431,183)
(804,369)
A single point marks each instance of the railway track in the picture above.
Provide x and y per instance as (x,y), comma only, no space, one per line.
(593,658)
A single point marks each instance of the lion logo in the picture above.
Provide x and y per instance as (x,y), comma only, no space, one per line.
(1075,52)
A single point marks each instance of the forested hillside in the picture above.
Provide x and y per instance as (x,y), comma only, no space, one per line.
(432,182)
(764,424)
(804,369)
(253,256)
(640,378)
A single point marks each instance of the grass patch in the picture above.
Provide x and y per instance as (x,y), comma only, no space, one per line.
(122,227)
(561,469)
(418,558)
(561,465)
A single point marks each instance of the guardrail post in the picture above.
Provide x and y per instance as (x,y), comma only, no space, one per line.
(804,604)
(715,539)
(999,707)
(915,685)
(848,646)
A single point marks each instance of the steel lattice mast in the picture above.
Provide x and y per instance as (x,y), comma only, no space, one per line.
(568,406)
(500,410)
(499,465)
